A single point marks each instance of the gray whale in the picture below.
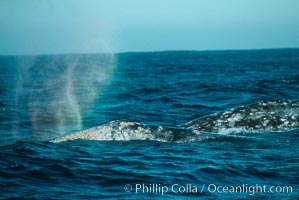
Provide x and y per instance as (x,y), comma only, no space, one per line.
(125,130)
(264,116)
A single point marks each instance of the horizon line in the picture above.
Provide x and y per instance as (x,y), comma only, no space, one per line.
(151,51)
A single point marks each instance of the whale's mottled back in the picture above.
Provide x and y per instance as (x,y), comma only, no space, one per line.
(124,131)
(264,116)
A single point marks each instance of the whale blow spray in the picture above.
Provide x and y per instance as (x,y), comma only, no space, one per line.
(58,90)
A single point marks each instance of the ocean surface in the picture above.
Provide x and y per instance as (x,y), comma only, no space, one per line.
(46,97)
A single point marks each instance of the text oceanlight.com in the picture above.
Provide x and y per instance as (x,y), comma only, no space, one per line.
(156,188)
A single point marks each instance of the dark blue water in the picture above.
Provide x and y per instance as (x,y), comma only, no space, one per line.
(45,97)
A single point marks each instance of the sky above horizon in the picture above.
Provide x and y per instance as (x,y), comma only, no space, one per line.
(92,26)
